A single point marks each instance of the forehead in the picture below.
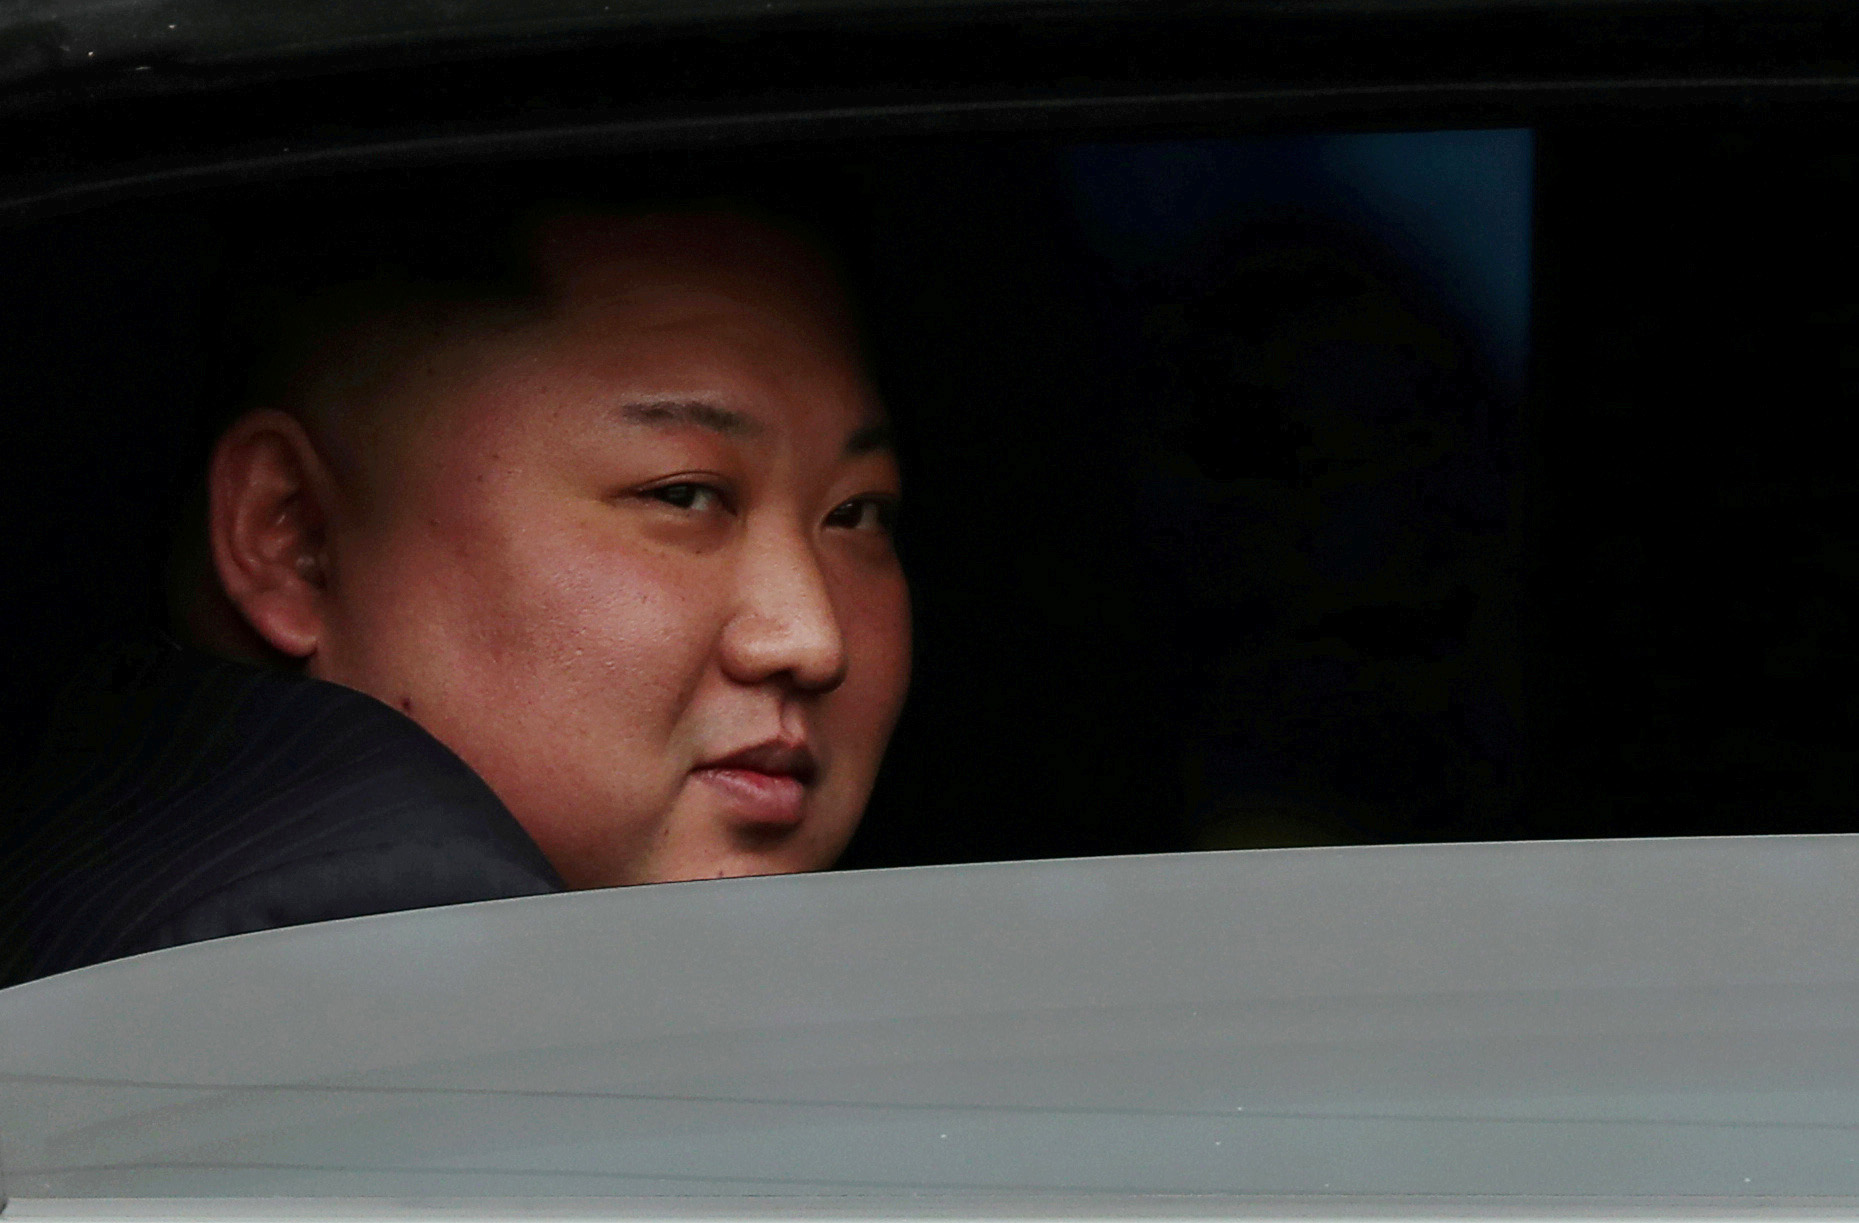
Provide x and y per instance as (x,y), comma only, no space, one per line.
(715,305)
(721,310)
(587,262)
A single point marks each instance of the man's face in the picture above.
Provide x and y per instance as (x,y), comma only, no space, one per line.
(631,560)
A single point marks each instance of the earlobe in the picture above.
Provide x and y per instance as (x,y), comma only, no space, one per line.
(267,521)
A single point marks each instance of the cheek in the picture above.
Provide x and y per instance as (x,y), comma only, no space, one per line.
(544,617)
(617,625)
(877,630)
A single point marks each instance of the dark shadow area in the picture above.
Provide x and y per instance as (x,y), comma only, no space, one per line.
(1210,547)
(1695,560)
(1254,543)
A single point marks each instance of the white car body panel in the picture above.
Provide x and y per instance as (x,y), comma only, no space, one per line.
(1548,1030)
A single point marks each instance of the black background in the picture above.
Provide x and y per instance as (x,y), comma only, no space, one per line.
(1620,606)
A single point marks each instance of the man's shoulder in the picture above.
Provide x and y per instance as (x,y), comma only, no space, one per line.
(181,797)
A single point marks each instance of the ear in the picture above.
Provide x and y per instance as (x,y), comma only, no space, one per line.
(269,497)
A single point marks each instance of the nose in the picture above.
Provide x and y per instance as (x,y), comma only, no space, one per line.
(785,628)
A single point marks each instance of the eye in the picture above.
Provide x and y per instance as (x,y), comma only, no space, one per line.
(687,495)
(865,514)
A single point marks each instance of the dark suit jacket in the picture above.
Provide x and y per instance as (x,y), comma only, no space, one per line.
(179,797)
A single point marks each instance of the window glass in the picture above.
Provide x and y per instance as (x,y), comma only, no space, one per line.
(1307,489)
(1312,489)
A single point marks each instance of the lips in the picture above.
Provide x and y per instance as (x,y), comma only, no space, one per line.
(765,784)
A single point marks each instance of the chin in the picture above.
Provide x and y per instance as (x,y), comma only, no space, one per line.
(777,854)
(709,844)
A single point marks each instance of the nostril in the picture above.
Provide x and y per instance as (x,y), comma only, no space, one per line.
(805,652)
(786,628)
(833,676)
(821,665)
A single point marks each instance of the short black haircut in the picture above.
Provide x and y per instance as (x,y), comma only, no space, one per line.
(295,266)
(310,258)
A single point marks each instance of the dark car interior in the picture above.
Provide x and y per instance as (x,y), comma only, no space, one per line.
(1321,424)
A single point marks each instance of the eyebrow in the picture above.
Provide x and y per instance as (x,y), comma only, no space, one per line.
(659,414)
(875,436)
(672,413)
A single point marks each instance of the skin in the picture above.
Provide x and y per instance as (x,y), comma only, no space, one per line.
(626,552)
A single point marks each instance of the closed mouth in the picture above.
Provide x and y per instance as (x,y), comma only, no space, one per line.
(775,758)
(763,785)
